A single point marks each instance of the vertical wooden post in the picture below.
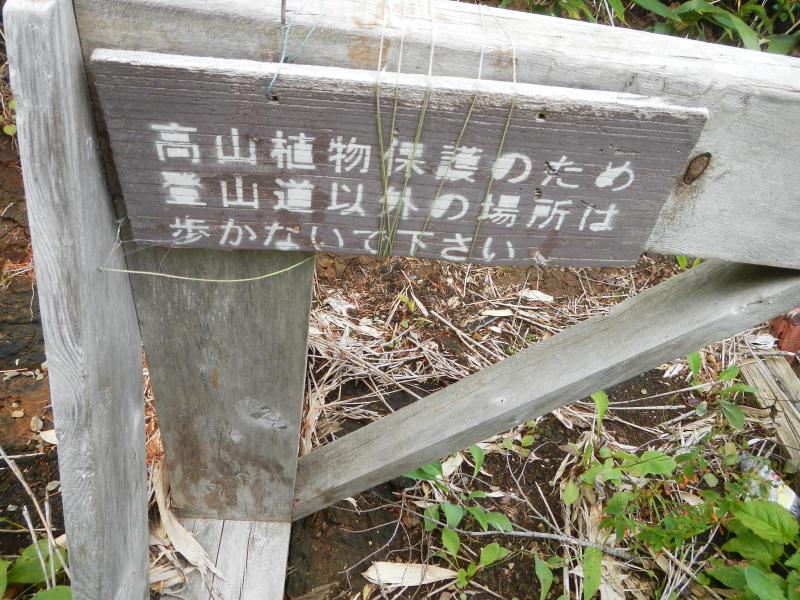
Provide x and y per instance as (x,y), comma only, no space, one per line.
(227,362)
(90,328)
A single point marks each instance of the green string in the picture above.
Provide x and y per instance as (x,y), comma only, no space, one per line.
(285,49)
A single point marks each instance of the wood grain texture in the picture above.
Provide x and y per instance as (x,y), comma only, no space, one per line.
(89,321)
(705,304)
(779,390)
(251,556)
(227,364)
(579,176)
(743,208)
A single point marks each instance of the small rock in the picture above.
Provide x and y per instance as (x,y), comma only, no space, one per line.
(53,485)
(15,404)
(12,508)
(18,414)
(36,423)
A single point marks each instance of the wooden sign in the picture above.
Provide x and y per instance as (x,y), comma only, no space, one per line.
(480,171)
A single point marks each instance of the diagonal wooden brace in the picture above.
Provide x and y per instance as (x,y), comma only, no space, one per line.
(708,303)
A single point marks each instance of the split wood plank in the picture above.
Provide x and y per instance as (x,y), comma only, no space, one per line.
(88,316)
(705,304)
(251,556)
(566,177)
(744,206)
(227,364)
(779,390)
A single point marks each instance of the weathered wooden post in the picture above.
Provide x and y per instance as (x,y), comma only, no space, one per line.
(233,169)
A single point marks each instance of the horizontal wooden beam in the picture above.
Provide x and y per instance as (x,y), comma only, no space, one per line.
(742,208)
(705,304)
(542,175)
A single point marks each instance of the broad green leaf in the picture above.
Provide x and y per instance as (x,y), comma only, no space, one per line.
(729,374)
(701,410)
(767,520)
(9,129)
(737,387)
(480,516)
(477,457)
(499,521)
(781,44)
(761,585)
(753,548)
(654,6)
(793,586)
(12,105)
(601,404)
(732,413)
(4,564)
(450,541)
(430,516)
(696,6)
(527,441)
(490,554)
(592,565)
(429,472)
(731,21)
(682,260)
(794,561)
(60,592)
(619,9)
(616,505)
(570,494)
(729,576)
(545,576)
(652,462)
(695,361)
(711,480)
(453,513)
(461,579)
(28,569)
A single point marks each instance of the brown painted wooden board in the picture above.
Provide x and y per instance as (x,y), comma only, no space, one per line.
(207,159)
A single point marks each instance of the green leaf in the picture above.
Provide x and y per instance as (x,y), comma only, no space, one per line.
(499,521)
(729,576)
(527,441)
(651,462)
(701,410)
(761,585)
(731,21)
(767,520)
(28,569)
(430,516)
(753,548)
(682,260)
(601,404)
(429,472)
(793,586)
(4,564)
(732,413)
(592,565)
(781,44)
(571,493)
(12,105)
(477,457)
(654,6)
(616,505)
(711,480)
(794,561)
(737,387)
(480,516)
(60,592)
(545,576)
(490,554)
(450,541)
(453,513)
(10,129)
(695,361)
(729,374)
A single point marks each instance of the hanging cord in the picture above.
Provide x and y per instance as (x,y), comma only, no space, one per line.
(460,135)
(286,31)
(502,137)
(420,122)
(386,171)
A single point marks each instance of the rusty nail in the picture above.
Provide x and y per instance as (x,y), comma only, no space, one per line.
(696,167)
